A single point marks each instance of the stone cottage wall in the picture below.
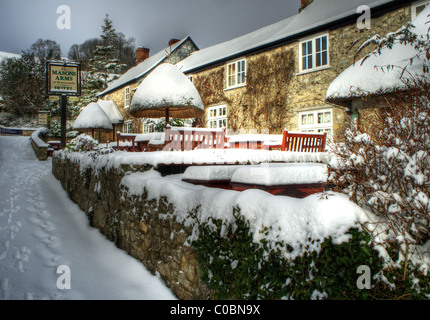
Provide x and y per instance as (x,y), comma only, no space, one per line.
(144,229)
(302,92)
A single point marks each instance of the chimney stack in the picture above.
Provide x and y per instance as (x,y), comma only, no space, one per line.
(304,4)
(141,54)
(173,41)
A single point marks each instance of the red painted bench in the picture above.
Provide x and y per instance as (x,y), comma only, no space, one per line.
(301,142)
(187,139)
(123,137)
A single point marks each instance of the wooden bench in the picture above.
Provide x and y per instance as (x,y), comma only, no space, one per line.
(301,142)
(187,139)
(129,138)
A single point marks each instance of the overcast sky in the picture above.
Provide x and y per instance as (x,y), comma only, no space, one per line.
(151,22)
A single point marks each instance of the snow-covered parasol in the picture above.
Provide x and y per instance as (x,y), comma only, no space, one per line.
(167,92)
(92,118)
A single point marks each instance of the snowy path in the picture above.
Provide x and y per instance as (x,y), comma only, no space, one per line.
(42,229)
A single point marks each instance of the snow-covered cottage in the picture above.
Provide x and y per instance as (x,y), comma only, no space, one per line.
(366,84)
(277,77)
(121,91)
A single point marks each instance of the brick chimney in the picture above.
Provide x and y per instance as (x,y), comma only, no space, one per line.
(141,54)
(304,4)
(173,41)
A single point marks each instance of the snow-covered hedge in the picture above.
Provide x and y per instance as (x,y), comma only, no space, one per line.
(82,143)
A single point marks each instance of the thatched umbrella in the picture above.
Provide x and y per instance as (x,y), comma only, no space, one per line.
(167,92)
(92,118)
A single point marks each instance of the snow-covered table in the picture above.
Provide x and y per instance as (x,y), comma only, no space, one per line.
(253,141)
(297,180)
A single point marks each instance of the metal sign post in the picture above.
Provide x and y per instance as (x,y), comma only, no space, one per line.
(63,79)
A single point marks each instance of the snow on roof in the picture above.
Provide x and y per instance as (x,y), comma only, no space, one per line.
(92,117)
(143,68)
(316,15)
(111,109)
(166,88)
(6,55)
(372,75)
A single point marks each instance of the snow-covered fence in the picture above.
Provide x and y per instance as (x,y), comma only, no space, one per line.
(40,147)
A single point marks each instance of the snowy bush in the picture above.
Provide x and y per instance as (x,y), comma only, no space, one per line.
(387,172)
(82,143)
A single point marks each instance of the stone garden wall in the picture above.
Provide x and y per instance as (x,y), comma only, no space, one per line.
(144,229)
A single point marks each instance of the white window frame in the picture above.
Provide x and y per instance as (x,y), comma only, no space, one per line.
(415,5)
(127,97)
(313,54)
(127,127)
(315,126)
(148,127)
(236,71)
(217,117)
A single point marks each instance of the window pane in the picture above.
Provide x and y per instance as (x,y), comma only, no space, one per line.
(324,43)
(231,80)
(419,9)
(318,62)
(309,47)
(304,51)
(310,63)
(310,119)
(304,63)
(318,44)
(324,61)
(304,120)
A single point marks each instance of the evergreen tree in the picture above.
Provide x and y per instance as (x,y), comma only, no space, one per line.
(22,85)
(105,65)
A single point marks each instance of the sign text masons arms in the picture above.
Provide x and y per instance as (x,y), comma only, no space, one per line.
(63,79)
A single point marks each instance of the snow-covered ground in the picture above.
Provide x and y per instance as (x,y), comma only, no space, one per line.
(41,229)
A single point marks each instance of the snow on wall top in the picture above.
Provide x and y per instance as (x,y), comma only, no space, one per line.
(297,222)
(142,68)
(317,14)
(92,117)
(110,108)
(372,76)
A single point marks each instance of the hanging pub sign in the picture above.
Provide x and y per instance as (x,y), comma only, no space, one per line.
(63,78)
